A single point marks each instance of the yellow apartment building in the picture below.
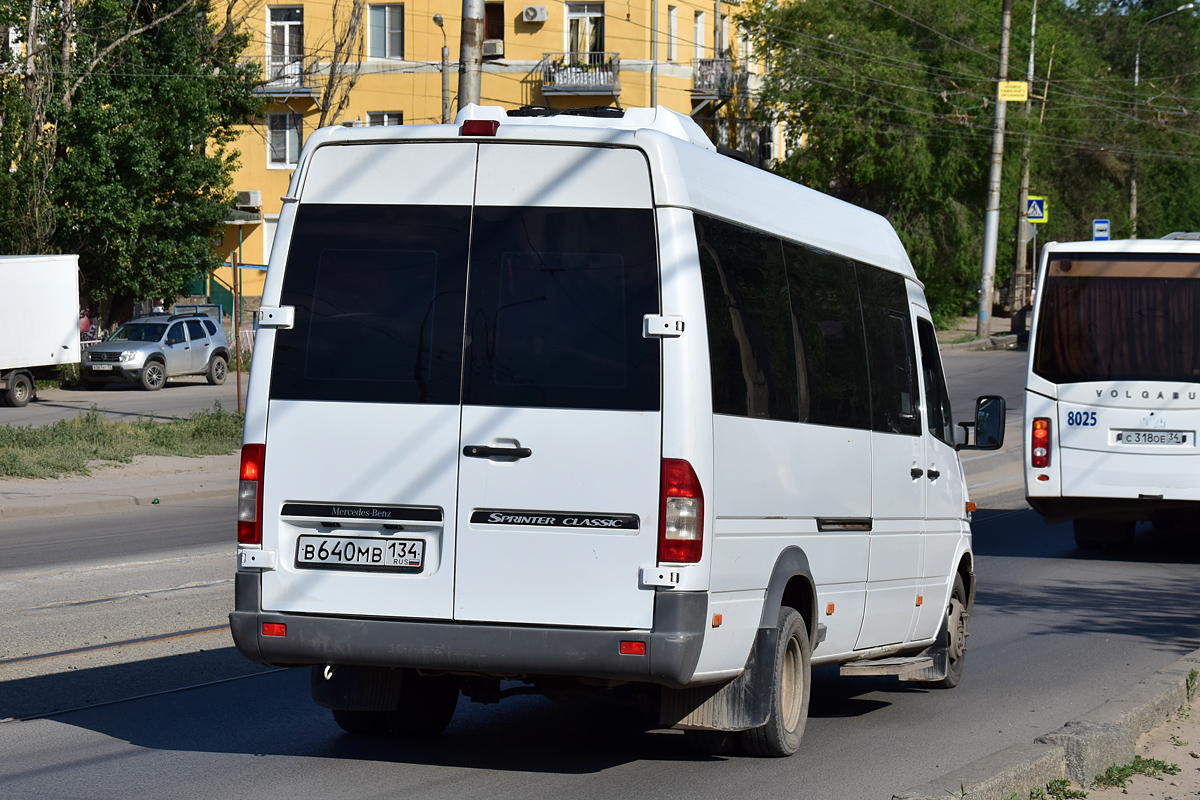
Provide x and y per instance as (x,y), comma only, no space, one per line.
(558,54)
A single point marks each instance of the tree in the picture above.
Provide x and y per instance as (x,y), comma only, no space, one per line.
(890,107)
(119,137)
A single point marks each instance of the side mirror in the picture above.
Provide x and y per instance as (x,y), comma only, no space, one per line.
(989,424)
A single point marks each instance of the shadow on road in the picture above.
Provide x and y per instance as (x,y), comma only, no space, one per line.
(1148,590)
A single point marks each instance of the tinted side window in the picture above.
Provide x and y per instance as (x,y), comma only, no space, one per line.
(557,297)
(831,355)
(890,352)
(176,333)
(750,341)
(212,326)
(195,330)
(378,293)
(937,399)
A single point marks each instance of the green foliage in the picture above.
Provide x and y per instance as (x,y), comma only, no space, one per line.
(890,106)
(139,144)
(1119,775)
(72,446)
(1191,683)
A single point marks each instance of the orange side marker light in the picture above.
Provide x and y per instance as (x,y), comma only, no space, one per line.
(717,620)
(829,610)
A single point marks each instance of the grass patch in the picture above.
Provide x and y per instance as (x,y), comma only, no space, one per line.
(1119,775)
(1055,790)
(69,446)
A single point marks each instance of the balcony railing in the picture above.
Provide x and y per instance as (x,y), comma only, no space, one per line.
(285,76)
(714,77)
(581,73)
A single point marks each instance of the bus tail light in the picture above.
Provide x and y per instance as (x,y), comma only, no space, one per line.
(249,527)
(681,514)
(1039,447)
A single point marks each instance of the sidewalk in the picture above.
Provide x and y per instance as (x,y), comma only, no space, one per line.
(962,335)
(165,479)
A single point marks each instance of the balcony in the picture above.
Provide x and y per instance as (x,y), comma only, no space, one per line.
(714,78)
(580,73)
(286,76)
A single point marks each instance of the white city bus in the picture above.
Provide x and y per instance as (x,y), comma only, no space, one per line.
(1112,393)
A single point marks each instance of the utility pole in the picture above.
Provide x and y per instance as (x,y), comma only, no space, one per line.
(437,20)
(991,221)
(1019,288)
(470,60)
(654,54)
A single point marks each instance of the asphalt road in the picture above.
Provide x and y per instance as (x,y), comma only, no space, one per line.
(181,397)
(1055,633)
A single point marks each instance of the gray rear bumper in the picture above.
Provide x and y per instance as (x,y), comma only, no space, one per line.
(672,646)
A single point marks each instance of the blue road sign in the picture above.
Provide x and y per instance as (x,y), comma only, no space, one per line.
(1100,230)
(1036,210)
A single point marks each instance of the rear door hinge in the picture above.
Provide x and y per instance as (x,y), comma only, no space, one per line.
(276,317)
(655,326)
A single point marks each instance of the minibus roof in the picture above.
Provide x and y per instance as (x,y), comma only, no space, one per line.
(1127,246)
(687,172)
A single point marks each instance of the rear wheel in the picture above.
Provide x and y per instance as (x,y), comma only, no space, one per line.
(217,370)
(790,688)
(1096,533)
(154,375)
(365,723)
(20,391)
(427,704)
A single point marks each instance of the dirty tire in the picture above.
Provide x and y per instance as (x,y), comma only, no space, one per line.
(427,704)
(217,369)
(154,375)
(1093,534)
(362,723)
(953,637)
(790,689)
(20,391)
(713,743)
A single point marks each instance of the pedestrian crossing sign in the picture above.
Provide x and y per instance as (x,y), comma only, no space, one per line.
(1036,211)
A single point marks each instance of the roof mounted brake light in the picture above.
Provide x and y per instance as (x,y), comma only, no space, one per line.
(480,127)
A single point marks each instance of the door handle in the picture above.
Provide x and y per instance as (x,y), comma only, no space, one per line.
(484,451)
(916,472)
(933,474)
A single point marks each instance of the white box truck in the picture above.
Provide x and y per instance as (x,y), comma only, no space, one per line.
(39,320)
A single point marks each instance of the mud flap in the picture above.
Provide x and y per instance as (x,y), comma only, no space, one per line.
(737,705)
(352,688)
(936,672)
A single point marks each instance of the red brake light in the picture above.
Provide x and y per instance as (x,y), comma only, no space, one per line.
(274,629)
(1039,447)
(480,127)
(633,648)
(681,513)
(249,527)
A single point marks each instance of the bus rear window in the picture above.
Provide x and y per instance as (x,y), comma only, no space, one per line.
(1108,317)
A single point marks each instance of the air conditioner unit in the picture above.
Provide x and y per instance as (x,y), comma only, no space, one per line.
(535,14)
(252,199)
(493,47)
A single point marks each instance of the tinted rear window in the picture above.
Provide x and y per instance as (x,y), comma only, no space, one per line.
(557,297)
(378,293)
(1119,317)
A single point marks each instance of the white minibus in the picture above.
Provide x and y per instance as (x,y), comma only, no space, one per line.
(562,400)
(1112,394)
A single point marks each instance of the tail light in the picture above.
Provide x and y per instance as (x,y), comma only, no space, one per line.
(1039,447)
(249,527)
(681,514)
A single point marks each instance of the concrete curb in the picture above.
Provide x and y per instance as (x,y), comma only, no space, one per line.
(994,342)
(1080,750)
(53,507)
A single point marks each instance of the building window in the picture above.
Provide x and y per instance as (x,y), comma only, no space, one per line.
(283,142)
(585,27)
(672,33)
(698,35)
(285,42)
(375,118)
(386,35)
(493,21)
(724,45)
